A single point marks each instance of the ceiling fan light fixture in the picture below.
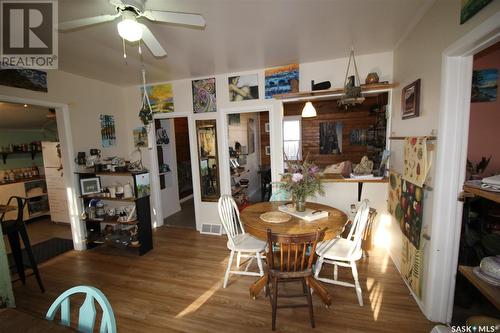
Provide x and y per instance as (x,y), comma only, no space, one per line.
(309,111)
(129,29)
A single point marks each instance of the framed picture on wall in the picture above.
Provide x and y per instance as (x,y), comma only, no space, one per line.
(410,100)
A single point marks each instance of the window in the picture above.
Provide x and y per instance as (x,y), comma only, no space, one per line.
(291,137)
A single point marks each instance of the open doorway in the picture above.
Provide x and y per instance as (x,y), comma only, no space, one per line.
(32,168)
(249,157)
(174,164)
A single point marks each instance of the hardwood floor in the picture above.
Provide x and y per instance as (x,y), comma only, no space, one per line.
(177,287)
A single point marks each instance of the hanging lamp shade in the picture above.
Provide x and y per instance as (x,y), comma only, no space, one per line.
(308,111)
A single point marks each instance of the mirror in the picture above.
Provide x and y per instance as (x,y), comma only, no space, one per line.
(206,133)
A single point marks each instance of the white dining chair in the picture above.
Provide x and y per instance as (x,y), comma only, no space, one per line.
(344,252)
(239,242)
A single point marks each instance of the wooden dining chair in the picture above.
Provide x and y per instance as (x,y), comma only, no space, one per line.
(345,252)
(87,314)
(290,258)
(239,242)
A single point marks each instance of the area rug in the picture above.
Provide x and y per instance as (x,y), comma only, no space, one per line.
(44,251)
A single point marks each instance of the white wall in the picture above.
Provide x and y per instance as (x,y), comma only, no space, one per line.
(333,70)
(420,56)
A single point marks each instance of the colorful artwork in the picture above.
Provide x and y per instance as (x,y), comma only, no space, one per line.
(470,8)
(108,132)
(30,79)
(282,80)
(394,194)
(204,99)
(161,97)
(243,87)
(143,185)
(330,138)
(412,266)
(140,137)
(416,160)
(358,137)
(409,212)
(484,85)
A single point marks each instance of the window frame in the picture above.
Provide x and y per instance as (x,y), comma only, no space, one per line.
(299,119)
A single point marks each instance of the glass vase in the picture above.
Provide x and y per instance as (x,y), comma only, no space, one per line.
(300,204)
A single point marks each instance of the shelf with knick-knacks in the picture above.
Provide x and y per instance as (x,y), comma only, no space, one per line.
(117,210)
(164,132)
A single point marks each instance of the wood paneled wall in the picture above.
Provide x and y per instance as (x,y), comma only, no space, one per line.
(264,139)
(358,117)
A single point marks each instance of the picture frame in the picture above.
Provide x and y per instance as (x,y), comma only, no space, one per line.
(90,185)
(410,100)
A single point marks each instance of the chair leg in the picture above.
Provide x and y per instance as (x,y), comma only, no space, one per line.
(229,263)
(17,253)
(309,301)
(259,263)
(319,265)
(274,302)
(238,259)
(27,247)
(356,282)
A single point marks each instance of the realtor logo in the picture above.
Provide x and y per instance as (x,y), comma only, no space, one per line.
(28,34)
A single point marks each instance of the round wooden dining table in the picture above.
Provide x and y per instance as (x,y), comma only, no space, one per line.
(333,226)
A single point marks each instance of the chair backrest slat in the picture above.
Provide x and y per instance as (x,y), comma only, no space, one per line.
(87,312)
(358,226)
(230,217)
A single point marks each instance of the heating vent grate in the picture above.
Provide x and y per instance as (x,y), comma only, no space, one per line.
(211,229)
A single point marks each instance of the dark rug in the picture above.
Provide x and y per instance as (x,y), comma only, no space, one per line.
(44,251)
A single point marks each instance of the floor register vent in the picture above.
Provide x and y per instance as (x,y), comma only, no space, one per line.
(211,229)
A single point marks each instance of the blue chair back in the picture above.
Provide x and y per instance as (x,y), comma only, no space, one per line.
(279,194)
(87,314)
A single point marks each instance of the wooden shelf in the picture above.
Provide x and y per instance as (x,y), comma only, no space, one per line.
(38,214)
(36,196)
(5,154)
(336,178)
(491,292)
(493,196)
(110,220)
(120,173)
(335,91)
(98,197)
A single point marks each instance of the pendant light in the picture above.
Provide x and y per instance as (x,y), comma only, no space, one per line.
(308,111)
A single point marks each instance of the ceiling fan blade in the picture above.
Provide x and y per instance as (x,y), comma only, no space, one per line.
(70,25)
(152,43)
(195,20)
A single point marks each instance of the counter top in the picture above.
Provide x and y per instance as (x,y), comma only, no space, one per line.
(23,180)
(337,178)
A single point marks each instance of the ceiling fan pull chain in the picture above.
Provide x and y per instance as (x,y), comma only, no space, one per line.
(124,51)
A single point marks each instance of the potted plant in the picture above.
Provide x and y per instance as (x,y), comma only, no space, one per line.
(302,180)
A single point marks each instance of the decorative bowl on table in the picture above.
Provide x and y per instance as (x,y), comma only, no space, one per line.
(491,267)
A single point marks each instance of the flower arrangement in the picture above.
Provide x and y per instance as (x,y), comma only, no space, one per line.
(302,180)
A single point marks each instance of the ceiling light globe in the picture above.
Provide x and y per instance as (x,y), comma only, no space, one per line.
(308,111)
(130,30)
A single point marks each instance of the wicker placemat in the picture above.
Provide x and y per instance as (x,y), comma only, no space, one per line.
(275,217)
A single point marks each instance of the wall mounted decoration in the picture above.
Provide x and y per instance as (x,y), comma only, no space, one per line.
(411,202)
(204,98)
(282,80)
(30,79)
(484,85)
(208,160)
(358,137)
(251,135)
(416,160)
(412,266)
(108,132)
(410,100)
(243,87)
(352,91)
(394,195)
(140,137)
(330,138)
(233,118)
(161,97)
(470,8)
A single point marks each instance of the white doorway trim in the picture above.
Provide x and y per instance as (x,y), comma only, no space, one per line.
(456,78)
(65,138)
(158,217)
(224,173)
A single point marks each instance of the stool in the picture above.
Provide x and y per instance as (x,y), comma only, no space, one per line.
(13,229)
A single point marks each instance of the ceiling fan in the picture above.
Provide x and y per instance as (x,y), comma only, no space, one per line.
(129,29)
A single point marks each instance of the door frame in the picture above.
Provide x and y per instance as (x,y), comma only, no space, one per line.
(78,231)
(456,81)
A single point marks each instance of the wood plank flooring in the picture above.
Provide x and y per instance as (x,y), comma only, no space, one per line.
(177,287)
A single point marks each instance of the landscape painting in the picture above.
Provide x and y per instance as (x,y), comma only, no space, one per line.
(204,97)
(161,97)
(484,85)
(282,80)
(140,137)
(30,79)
(330,138)
(243,87)
(470,8)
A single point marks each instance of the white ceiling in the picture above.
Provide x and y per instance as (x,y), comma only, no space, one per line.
(239,35)
(16,116)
